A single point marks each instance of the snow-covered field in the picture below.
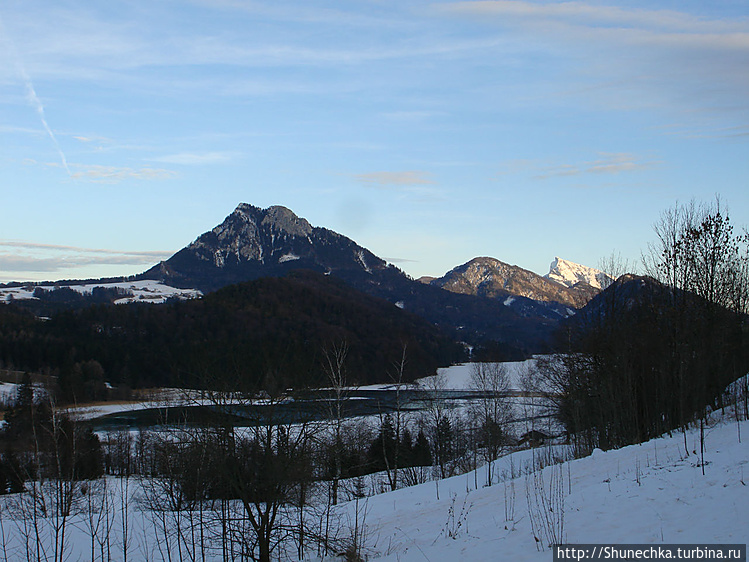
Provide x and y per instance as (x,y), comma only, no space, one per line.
(653,493)
(142,291)
(458,377)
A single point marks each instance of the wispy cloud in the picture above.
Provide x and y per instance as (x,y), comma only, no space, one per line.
(113,174)
(24,245)
(400,260)
(391,179)
(15,263)
(412,116)
(586,14)
(23,130)
(606,164)
(95,140)
(23,256)
(194,158)
(738,132)
(31,96)
(87,46)
(629,57)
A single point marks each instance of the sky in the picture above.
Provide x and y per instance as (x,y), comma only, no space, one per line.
(429,132)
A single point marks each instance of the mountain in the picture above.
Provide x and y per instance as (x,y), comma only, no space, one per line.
(492,278)
(252,243)
(570,274)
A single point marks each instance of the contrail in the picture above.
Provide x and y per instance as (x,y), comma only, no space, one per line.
(36,102)
(32,98)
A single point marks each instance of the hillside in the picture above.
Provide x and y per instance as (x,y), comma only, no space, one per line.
(241,336)
(653,493)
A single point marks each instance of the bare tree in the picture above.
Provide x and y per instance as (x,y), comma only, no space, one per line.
(335,368)
(438,423)
(493,410)
(397,419)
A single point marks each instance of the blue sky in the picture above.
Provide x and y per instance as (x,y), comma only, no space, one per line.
(429,132)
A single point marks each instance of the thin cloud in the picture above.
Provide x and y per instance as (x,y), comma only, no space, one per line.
(607,164)
(23,130)
(194,159)
(90,48)
(630,58)
(739,132)
(613,17)
(412,116)
(15,263)
(23,256)
(21,244)
(400,260)
(92,139)
(112,174)
(390,179)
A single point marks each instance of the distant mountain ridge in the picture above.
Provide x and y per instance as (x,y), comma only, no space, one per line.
(485,302)
(492,278)
(252,243)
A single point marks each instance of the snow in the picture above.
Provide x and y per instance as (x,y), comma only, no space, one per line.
(160,398)
(569,273)
(143,291)
(652,493)
(458,377)
(8,392)
(288,257)
(362,261)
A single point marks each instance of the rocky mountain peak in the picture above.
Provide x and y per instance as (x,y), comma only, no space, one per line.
(284,220)
(569,274)
(490,277)
(252,242)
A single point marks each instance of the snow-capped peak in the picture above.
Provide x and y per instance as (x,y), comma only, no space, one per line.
(569,273)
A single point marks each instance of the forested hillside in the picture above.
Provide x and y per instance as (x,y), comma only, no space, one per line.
(268,332)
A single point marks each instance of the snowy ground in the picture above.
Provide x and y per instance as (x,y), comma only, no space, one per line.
(143,291)
(652,493)
(458,377)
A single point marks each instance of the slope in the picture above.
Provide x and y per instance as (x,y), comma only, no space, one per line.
(652,493)
(237,337)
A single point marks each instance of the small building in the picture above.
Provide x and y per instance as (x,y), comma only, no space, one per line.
(533,438)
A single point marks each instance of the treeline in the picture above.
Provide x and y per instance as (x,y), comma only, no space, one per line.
(39,443)
(215,491)
(246,336)
(47,302)
(653,353)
